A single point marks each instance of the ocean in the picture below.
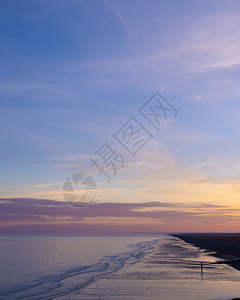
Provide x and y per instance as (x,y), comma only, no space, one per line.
(34,266)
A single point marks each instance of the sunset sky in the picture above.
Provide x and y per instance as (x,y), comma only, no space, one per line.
(74,72)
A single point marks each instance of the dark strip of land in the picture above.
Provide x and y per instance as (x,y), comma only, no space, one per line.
(225,246)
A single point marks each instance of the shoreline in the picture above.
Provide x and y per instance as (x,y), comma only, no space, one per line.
(224,246)
(164,268)
(166,272)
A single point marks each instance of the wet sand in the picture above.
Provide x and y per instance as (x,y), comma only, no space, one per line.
(171,271)
(154,289)
(224,246)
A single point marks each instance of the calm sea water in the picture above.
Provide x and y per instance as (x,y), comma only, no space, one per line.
(140,267)
(34,267)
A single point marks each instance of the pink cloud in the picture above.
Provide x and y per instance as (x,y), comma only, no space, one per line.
(21,215)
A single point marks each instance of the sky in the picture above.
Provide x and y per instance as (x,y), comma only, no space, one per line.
(75,74)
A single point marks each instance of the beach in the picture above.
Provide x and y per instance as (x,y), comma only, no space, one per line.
(137,267)
(170,271)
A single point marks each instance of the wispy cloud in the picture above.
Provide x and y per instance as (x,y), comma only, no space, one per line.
(186,61)
(58,108)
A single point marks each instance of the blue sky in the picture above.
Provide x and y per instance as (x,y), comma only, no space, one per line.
(73,72)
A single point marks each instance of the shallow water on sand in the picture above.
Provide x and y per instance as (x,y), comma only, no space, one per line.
(153,267)
(36,265)
(171,271)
